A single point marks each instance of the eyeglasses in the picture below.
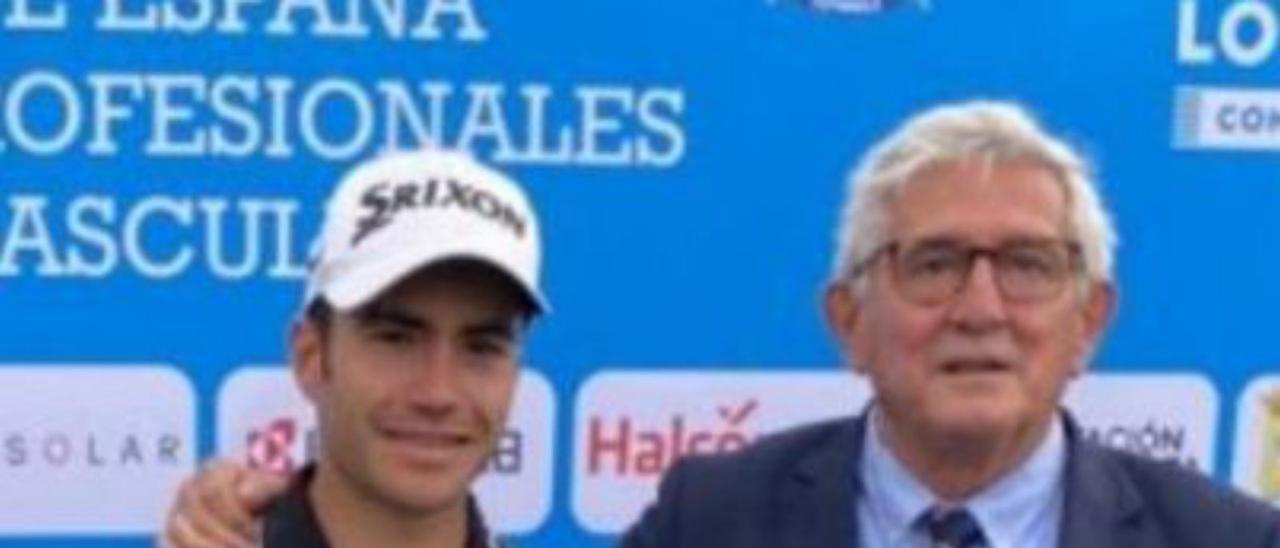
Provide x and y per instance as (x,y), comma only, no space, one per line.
(934,271)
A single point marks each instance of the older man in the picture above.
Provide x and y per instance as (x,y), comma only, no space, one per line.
(972,280)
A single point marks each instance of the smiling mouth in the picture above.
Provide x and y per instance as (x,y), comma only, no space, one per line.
(427,440)
(971,367)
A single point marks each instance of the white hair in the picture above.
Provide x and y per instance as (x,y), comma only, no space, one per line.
(988,130)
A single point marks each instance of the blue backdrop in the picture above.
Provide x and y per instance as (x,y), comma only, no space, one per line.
(689,217)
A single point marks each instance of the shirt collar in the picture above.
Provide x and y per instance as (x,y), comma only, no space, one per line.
(1010,507)
(893,496)
(1005,510)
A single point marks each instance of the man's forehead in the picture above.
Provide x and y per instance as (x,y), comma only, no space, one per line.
(1016,201)
(462,288)
(984,236)
(979,176)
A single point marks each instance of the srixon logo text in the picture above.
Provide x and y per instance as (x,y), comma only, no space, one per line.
(384,201)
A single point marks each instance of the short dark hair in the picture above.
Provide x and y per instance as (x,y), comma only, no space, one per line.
(320,313)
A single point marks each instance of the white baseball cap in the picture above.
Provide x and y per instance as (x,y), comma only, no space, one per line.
(403,211)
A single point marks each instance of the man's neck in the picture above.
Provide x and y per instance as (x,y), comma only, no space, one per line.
(955,468)
(350,517)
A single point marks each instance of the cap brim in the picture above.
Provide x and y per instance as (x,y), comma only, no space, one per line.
(361,286)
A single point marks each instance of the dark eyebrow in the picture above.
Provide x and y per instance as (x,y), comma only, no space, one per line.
(383,314)
(505,330)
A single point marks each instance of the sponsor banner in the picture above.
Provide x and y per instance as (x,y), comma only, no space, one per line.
(1228,101)
(516,489)
(1163,416)
(631,425)
(264,420)
(1223,118)
(1257,449)
(72,434)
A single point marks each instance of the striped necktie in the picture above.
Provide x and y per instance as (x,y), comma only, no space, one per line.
(953,528)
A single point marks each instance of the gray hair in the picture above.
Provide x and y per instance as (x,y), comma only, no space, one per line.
(983,129)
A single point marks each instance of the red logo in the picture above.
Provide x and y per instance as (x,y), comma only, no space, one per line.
(271,448)
(623,448)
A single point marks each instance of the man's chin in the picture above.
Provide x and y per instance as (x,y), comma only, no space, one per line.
(412,487)
(975,421)
(424,498)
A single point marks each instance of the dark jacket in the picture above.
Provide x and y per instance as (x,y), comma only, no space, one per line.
(798,489)
(291,522)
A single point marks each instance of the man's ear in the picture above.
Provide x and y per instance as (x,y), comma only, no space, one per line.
(843,311)
(307,357)
(1096,313)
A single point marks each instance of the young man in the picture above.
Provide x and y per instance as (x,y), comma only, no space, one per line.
(424,281)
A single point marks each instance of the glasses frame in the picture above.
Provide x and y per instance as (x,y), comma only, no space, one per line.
(892,250)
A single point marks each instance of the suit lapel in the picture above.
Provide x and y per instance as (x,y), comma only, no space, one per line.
(1102,507)
(817,500)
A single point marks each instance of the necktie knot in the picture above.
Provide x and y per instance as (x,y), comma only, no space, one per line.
(953,528)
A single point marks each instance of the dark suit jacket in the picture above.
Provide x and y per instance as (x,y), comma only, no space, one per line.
(797,490)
